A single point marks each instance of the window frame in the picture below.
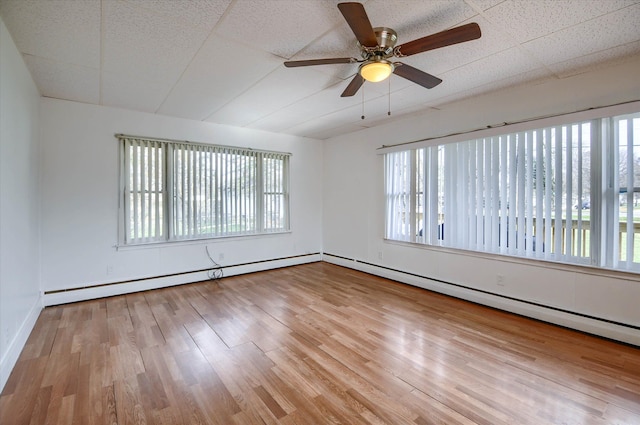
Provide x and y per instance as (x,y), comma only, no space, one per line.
(169,179)
(601,179)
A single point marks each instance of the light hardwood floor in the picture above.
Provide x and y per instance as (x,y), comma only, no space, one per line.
(312,344)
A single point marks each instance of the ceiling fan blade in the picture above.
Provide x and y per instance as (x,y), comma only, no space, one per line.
(448,37)
(311,62)
(414,74)
(353,86)
(357,18)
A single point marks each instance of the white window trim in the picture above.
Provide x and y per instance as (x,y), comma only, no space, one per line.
(602,120)
(168,218)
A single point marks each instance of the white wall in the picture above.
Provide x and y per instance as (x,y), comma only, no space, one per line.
(354,212)
(80,209)
(19,196)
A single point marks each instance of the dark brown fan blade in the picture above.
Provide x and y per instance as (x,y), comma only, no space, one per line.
(415,75)
(358,20)
(311,62)
(353,86)
(456,35)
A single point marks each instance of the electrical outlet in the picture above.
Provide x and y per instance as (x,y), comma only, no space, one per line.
(380,255)
(221,256)
(500,280)
(109,269)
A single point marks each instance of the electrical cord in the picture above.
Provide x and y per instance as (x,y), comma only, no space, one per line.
(215,272)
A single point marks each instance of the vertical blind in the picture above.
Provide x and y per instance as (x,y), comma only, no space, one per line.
(566,193)
(144,190)
(180,191)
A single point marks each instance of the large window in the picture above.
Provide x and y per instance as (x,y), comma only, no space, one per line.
(179,191)
(567,193)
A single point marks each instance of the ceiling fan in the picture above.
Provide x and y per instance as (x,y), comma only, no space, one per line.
(377,46)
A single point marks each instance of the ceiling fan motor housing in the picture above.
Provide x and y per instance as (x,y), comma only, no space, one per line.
(386,38)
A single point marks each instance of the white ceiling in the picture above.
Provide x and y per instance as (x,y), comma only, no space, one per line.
(222,60)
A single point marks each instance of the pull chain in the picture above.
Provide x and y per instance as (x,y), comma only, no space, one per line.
(389,111)
(362,117)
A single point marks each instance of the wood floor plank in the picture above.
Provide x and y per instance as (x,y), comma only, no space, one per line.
(173,388)
(41,406)
(65,415)
(128,401)
(312,344)
(26,392)
(43,335)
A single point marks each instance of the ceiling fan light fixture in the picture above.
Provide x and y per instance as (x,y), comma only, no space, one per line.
(376,71)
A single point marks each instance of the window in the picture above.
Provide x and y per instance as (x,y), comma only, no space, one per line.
(180,191)
(567,193)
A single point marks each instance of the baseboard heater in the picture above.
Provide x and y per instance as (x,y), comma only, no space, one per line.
(368,266)
(62,296)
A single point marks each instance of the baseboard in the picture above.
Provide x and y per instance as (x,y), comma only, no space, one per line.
(156,282)
(591,325)
(9,360)
(271,264)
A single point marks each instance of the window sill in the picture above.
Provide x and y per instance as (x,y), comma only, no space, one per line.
(531,262)
(199,241)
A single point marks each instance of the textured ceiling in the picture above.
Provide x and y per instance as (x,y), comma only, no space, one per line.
(221,60)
